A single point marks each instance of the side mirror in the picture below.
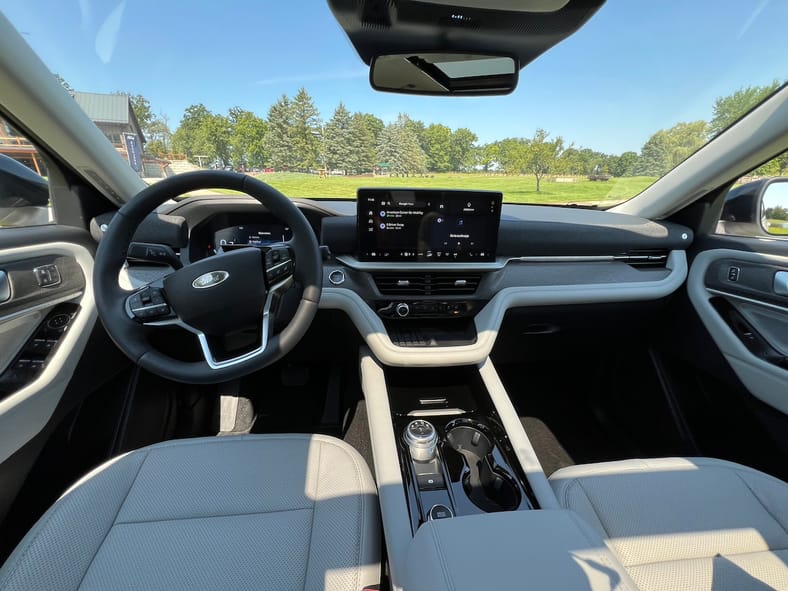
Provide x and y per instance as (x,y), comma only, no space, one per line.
(24,195)
(774,207)
(444,74)
(20,186)
(750,209)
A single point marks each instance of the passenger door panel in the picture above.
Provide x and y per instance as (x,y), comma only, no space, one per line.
(735,294)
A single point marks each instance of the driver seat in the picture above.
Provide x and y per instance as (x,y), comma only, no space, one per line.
(241,512)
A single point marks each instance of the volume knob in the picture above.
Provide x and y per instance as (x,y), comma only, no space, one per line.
(402,310)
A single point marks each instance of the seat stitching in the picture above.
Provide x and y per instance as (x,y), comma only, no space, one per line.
(312,526)
(762,504)
(109,529)
(217,516)
(769,551)
(593,508)
(360,522)
(441,557)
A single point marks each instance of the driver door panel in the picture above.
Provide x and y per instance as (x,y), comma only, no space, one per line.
(45,323)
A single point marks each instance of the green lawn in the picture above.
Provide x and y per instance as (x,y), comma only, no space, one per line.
(516,189)
(774,227)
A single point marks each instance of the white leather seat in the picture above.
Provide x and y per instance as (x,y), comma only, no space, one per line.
(251,512)
(685,524)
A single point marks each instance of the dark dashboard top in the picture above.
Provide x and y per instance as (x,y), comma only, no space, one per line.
(525,230)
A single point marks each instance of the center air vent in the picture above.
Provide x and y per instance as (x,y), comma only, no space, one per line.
(424,284)
(644,258)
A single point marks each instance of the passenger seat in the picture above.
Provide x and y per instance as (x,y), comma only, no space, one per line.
(689,524)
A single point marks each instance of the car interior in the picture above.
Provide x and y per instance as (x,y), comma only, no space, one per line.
(418,389)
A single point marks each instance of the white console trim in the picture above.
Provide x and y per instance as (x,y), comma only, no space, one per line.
(388,475)
(488,320)
(517,436)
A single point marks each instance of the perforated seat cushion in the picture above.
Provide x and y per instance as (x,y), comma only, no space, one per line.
(251,512)
(685,524)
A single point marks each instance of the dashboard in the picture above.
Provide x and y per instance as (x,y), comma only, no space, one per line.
(427,277)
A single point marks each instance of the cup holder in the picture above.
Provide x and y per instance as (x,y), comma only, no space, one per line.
(487,485)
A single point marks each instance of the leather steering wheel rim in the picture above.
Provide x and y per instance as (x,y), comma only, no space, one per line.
(129,335)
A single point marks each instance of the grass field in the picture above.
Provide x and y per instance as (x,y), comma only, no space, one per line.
(516,189)
(775,227)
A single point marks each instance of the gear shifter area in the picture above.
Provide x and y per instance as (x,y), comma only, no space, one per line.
(456,458)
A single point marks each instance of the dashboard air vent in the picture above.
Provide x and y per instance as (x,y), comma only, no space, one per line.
(644,258)
(423,284)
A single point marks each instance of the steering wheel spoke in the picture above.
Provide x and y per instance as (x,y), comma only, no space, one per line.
(279,264)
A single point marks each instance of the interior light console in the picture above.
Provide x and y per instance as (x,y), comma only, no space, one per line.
(426,225)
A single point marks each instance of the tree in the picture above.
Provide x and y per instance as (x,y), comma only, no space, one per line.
(669,147)
(513,155)
(247,138)
(728,109)
(185,139)
(436,142)
(625,165)
(655,155)
(542,155)
(461,150)
(685,139)
(305,133)
(277,140)
(399,147)
(365,130)
(338,140)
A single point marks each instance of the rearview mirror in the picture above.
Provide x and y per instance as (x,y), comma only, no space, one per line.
(444,74)
(774,207)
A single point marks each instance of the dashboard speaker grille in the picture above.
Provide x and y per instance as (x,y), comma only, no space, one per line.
(421,284)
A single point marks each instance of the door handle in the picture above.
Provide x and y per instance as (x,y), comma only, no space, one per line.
(5,287)
(781,283)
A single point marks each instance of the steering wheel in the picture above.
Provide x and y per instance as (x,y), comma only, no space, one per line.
(213,298)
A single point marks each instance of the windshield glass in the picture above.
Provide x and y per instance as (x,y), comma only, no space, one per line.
(276,90)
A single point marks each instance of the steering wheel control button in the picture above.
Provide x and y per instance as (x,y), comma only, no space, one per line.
(148,303)
(336,277)
(47,275)
(421,439)
(440,512)
(733,274)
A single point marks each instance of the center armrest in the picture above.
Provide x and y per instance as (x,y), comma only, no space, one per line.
(512,550)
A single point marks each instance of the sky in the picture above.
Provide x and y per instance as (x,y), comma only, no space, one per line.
(634,68)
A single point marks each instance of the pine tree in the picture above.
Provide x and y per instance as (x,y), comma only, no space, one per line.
(277,141)
(338,140)
(305,133)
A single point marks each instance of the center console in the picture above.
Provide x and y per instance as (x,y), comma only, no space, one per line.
(455,456)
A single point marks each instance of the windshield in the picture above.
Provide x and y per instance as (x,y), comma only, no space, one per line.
(277,91)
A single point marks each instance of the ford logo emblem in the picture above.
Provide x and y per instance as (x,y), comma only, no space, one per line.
(211,279)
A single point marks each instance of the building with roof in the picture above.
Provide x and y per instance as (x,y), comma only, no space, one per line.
(114,116)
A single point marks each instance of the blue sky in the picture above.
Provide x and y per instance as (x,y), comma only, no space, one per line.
(634,68)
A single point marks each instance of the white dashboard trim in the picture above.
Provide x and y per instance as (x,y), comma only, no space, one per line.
(489,319)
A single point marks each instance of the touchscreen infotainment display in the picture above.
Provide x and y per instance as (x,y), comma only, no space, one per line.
(427,225)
